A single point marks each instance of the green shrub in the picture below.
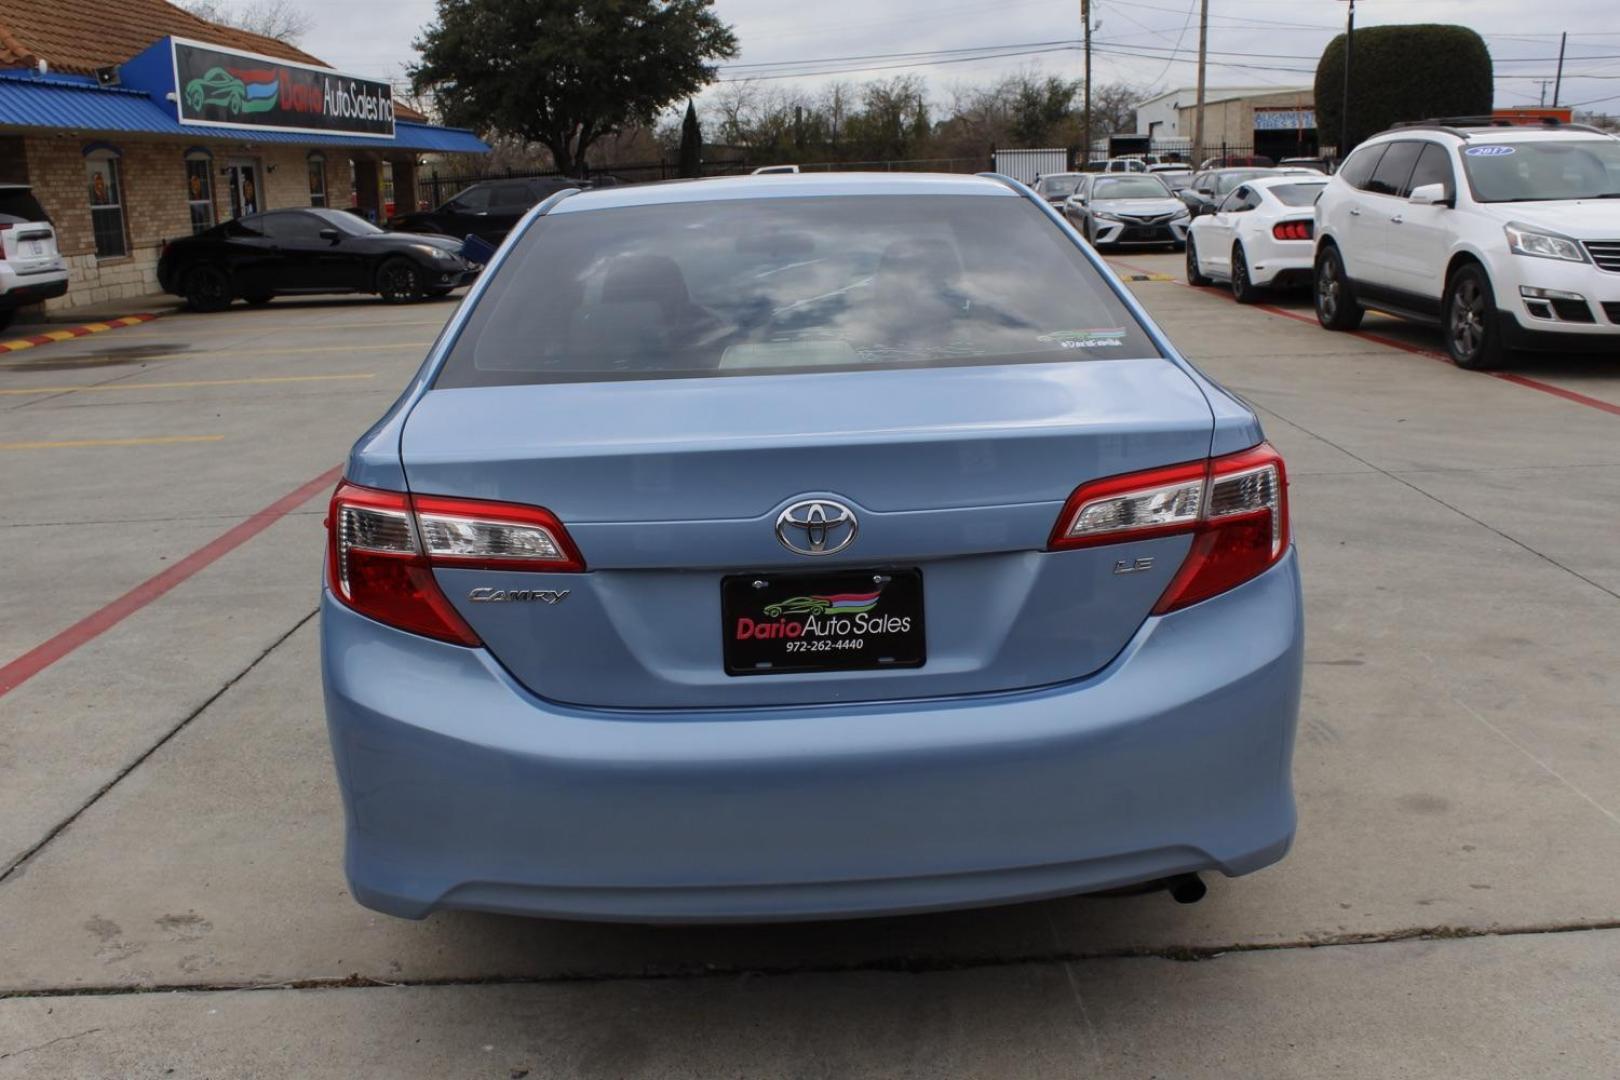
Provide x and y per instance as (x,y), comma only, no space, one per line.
(1401,73)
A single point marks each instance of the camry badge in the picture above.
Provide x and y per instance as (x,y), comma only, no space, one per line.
(510,596)
(817,527)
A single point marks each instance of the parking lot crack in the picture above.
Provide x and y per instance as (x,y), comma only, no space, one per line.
(47,1045)
(16,865)
(910,965)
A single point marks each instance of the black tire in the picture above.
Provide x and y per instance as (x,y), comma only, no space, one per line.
(1473,336)
(1244,290)
(1195,276)
(260,299)
(399,281)
(1336,307)
(207,289)
(6,315)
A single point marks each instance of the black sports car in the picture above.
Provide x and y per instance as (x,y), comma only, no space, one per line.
(284,252)
(488,209)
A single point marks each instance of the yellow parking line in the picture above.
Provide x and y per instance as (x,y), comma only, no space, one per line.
(186,384)
(69,444)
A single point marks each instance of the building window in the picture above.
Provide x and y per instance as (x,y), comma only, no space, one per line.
(317,180)
(107,205)
(200,192)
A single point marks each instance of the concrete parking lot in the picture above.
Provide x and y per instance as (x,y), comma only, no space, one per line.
(171,894)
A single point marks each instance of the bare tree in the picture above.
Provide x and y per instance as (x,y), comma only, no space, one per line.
(277,19)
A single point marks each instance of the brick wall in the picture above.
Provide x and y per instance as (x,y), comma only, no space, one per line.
(155,209)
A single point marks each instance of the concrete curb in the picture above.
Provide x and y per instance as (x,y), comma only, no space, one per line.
(68,333)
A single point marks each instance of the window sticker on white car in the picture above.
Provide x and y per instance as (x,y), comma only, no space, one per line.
(1489,151)
(1111,338)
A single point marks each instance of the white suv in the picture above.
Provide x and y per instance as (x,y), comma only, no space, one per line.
(30,268)
(1506,237)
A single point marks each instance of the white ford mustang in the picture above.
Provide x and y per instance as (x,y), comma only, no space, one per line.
(1260,236)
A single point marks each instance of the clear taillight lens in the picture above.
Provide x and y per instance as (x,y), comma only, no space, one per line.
(1235,506)
(382,547)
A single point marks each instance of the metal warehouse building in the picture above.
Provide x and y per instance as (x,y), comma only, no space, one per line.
(136,122)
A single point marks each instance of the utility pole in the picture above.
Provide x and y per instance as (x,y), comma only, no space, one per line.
(1085,20)
(1544,84)
(1349,54)
(1558,83)
(1198,115)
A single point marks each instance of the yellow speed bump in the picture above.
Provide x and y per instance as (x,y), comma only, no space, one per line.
(71,444)
(186,384)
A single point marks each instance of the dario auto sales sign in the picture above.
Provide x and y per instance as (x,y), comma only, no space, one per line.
(226,88)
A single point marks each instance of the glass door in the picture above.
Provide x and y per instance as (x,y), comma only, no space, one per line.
(242,181)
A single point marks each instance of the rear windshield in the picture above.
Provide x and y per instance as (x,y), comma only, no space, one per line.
(20,204)
(1297,194)
(1544,171)
(783,285)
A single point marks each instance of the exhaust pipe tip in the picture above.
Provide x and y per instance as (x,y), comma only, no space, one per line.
(1187,888)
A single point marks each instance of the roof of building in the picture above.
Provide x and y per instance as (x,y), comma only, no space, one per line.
(1214,94)
(82,35)
(77,103)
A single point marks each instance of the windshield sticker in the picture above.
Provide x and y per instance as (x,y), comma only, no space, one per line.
(1086,339)
(1490,151)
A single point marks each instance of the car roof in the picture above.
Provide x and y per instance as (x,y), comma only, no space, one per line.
(784,185)
(1493,134)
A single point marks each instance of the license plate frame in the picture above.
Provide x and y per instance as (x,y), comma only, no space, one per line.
(846,620)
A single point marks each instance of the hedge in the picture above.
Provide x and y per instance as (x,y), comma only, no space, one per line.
(1401,73)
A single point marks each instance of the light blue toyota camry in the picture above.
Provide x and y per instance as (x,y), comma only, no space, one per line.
(801,547)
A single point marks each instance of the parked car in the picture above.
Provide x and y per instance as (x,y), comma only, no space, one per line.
(1056,187)
(31,269)
(1237,160)
(487,209)
(769,170)
(1258,238)
(1321,165)
(1128,211)
(1125,165)
(1211,187)
(760,549)
(288,252)
(1507,238)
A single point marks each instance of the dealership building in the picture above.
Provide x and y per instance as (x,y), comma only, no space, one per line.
(136,122)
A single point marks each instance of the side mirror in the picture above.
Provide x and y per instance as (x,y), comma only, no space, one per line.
(330,235)
(1429,195)
(475,249)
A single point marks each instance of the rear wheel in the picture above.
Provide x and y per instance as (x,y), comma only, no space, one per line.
(6,315)
(207,289)
(1244,290)
(399,281)
(1472,336)
(1195,274)
(1336,307)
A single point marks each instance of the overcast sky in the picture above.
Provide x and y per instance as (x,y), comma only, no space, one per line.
(1152,44)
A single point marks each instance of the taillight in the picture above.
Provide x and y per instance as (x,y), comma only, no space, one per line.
(1236,508)
(382,547)
(1293,230)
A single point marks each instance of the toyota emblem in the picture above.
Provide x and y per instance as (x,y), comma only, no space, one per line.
(817,527)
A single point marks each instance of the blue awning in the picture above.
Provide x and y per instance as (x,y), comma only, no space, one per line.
(76,103)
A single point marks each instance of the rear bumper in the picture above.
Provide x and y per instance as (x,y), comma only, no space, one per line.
(17,290)
(462,790)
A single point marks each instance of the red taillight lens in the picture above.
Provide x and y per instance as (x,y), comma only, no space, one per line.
(1293,230)
(382,547)
(1235,506)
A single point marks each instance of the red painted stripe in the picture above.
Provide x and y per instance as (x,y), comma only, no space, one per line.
(90,627)
(1416,350)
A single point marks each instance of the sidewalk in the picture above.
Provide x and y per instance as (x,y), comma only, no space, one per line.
(35,321)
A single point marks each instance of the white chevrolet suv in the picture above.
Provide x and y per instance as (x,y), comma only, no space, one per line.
(1507,238)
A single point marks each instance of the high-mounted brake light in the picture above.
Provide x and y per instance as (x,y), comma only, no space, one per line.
(1236,508)
(382,547)
(1293,230)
